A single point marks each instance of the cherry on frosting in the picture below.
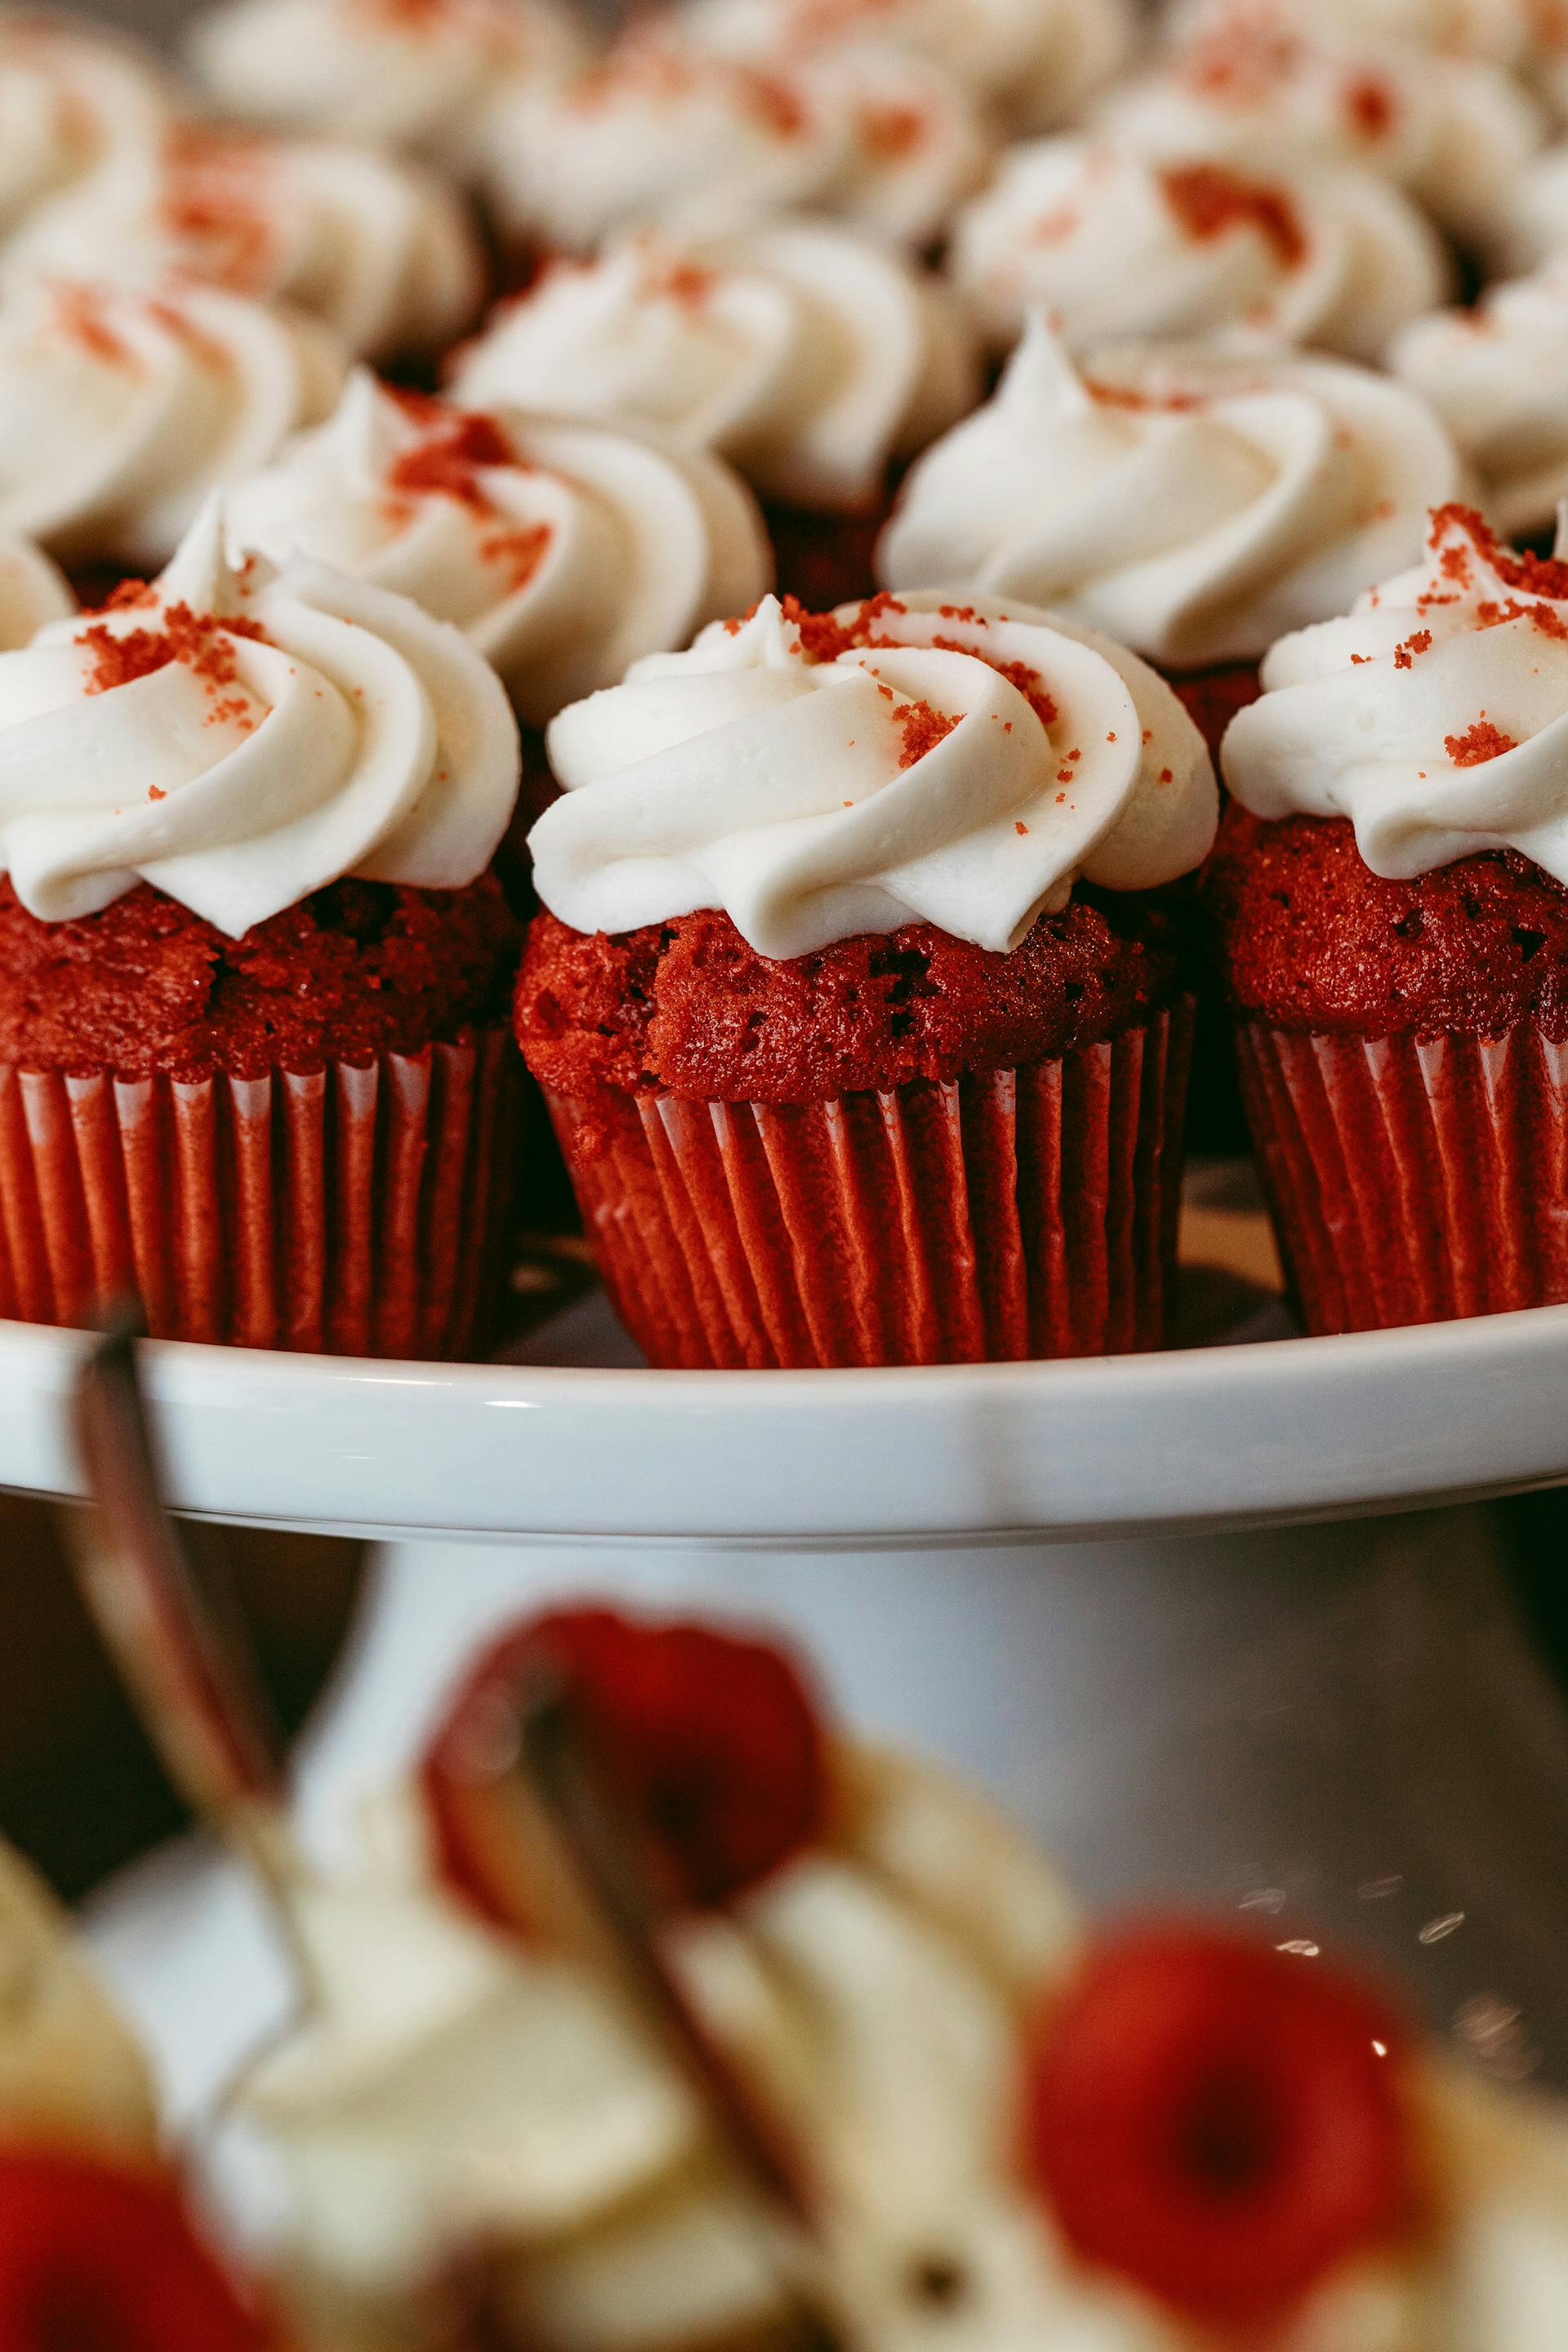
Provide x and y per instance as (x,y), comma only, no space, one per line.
(1219,2123)
(97,2259)
(712,1743)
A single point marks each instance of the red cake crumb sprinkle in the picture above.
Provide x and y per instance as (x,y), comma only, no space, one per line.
(215,199)
(1369,107)
(1019,827)
(448,462)
(1419,642)
(131,595)
(891,131)
(922,728)
(1544,617)
(1481,742)
(1211,202)
(201,641)
(670,278)
(81,316)
(521,551)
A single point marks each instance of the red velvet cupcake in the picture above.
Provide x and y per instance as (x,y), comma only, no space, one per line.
(1390,909)
(267,1099)
(816,359)
(859,1005)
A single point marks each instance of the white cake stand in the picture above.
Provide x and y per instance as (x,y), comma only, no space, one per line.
(1092,1585)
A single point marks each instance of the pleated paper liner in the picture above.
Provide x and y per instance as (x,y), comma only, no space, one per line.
(1413,1179)
(358,1210)
(1015,1213)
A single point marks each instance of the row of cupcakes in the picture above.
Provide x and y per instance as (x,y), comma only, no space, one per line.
(653,2007)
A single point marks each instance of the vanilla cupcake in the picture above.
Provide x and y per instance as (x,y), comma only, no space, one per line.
(1034,62)
(1255,84)
(122,410)
(379,251)
(564,550)
(1192,503)
(1497,376)
(814,361)
(665,133)
(411,74)
(1115,246)
(71,101)
(1536,227)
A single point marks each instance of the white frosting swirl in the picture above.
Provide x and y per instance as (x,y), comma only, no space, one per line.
(1434,717)
(1536,227)
(902,780)
(808,356)
(121,411)
(70,99)
(1034,61)
(1503,31)
(565,552)
(382,253)
(412,74)
(1191,504)
(241,737)
(663,134)
(1115,246)
(1497,376)
(1258,84)
(34,591)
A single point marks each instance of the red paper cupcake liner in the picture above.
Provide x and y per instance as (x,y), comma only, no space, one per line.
(1014,1213)
(1413,1179)
(357,1210)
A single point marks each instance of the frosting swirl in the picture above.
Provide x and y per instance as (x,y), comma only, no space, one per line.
(1497,376)
(381,253)
(1434,717)
(1256,83)
(122,410)
(1034,61)
(69,101)
(565,552)
(1116,247)
(412,74)
(902,762)
(241,737)
(665,133)
(33,591)
(809,357)
(1536,227)
(1193,505)
(1500,30)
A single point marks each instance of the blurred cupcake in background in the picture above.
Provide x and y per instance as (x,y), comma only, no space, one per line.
(859,1006)
(663,134)
(1192,503)
(379,252)
(564,550)
(1033,63)
(1390,909)
(122,410)
(1535,229)
(814,361)
(72,97)
(34,591)
(409,74)
(1115,244)
(1254,83)
(1505,32)
(253,974)
(1497,376)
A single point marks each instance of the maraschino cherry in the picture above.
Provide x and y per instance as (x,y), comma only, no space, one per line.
(1220,2123)
(711,1744)
(96,2258)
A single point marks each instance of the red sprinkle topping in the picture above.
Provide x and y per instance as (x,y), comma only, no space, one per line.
(923,728)
(1404,654)
(447,463)
(1369,107)
(81,314)
(200,641)
(521,551)
(1481,742)
(1211,202)
(892,131)
(215,201)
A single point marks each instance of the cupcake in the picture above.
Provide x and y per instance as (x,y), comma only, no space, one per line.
(1254,84)
(253,977)
(858,1006)
(379,251)
(1535,230)
(1390,909)
(71,99)
(566,550)
(663,134)
(1504,32)
(1192,503)
(861,1934)
(1497,376)
(1003,2126)
(1033,62)
(122,410)
(409,74)
(813,360)
(1116,245)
